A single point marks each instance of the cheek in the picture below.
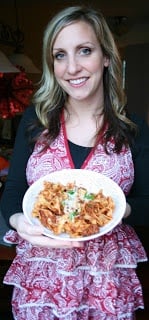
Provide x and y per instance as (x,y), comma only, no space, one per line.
(99,68)
(96,65)
(58,70)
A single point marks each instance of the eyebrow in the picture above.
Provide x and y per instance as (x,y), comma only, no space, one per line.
(78,46)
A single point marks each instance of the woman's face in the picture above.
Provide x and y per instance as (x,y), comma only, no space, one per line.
(79,61)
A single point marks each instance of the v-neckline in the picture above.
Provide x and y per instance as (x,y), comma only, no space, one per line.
(84,164)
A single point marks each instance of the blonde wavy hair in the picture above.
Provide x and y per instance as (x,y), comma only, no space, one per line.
(50,97)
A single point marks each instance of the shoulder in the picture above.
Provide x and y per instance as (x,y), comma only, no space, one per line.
(28,128)
(141,140)
(143,129)
(29,122)
(29,114)
(140,152)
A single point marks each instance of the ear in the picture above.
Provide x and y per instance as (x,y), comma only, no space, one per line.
(106,61)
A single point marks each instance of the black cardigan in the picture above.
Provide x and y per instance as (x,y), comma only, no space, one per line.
(139,195)
(16,184)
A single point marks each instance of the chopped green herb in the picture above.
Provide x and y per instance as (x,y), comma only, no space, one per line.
(73,214)
(89,196)
(71,191)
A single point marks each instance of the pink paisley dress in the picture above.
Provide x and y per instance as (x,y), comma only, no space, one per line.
(96,282)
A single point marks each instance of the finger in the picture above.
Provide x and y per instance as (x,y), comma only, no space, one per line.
(29,230)
(78,244)
(43,241)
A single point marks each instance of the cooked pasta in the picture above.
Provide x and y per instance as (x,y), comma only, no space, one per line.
(72,209)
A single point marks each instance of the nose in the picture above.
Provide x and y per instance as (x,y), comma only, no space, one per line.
(73,65)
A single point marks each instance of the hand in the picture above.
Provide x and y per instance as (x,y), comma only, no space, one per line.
(34,234)
(127,211)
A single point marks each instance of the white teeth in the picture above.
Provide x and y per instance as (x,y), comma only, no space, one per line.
(77,81)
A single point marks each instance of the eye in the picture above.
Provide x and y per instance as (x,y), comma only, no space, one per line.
(85,51)
(59,55)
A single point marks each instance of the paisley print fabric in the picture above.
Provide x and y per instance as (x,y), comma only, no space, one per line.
(118,167)
(95,282)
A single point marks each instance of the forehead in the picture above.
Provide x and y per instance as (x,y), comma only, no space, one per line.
(79,31)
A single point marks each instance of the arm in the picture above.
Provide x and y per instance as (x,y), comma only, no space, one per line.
(16,184)
(139,195)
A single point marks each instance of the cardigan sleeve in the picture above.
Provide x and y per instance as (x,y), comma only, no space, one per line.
(139,195)
(16,183)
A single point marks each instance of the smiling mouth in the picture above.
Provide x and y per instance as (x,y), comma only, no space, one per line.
(78,81)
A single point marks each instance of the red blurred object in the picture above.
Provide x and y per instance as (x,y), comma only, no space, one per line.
(15,93)
(4,164)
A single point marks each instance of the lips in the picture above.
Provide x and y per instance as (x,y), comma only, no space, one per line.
(78,81)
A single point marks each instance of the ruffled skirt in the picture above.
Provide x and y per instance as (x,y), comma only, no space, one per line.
(96,282)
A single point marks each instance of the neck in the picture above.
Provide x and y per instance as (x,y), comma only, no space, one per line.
(82,126)
(80,109)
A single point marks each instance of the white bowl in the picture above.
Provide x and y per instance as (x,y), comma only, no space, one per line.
(93,182)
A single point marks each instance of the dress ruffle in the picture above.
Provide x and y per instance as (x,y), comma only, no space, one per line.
(95,282)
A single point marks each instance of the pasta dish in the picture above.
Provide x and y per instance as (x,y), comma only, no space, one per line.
(72,209)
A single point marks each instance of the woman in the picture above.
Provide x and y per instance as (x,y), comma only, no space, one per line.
(79,107)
